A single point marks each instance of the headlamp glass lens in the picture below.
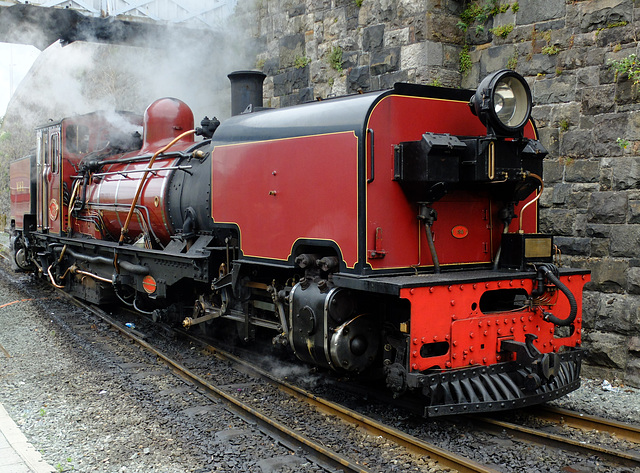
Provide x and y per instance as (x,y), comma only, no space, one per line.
(504,102)
(510,102)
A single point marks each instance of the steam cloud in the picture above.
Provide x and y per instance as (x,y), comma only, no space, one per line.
(86,76)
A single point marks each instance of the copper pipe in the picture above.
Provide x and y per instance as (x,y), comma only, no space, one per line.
(94,276)
(125,228)
(529,203)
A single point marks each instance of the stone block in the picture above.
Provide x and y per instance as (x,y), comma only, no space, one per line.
(291,47)
(598,99)
(583,170)
(607,207)
(599,230)
(634,211)
(420,55)
(560,193)
(576,143)
(557,221)
(632,374)
(607,349)
(555,89)
(573,246)
(373,38)
(397,37)
(608,275)
(535,11)
(590,301)
(625,241)
(633,280)
(358,78)
(599,247)
(553,171)
(625,173)
(385,61)
(600,14)
(618,313)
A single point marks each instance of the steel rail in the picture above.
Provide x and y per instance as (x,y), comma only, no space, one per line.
(411,443)
(557,441)
(582,421)
(272,427)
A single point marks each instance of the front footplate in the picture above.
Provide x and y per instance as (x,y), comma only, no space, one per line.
(499,387)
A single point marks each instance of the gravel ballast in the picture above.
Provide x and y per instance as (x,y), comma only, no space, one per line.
(85,411)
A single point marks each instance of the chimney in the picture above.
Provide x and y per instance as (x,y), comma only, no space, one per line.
(246,90)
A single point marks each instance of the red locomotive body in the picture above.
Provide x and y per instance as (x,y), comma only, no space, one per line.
(389,234)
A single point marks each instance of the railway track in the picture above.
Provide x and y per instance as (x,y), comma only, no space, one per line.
(332,460)
(562,420)
(324,456)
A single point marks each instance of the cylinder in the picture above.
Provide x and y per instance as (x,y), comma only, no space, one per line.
(246,89)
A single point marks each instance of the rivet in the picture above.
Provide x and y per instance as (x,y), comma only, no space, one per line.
(415,341)
(461,287)
(470,334)
(475,286)
(479,323)
(435,337)
(453,302)
(499,283)
(484,360)
(512,329)
(446,337)
(454,356)
(455,343)
(448,364)
(431,289)
(414,354)
(485,333)
(411,291)
(511,283)
(450,288)
(414,366)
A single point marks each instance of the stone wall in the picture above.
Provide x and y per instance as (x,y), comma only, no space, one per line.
(587,116)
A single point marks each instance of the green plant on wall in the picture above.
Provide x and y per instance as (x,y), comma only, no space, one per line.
(503,30)
(550,50)
(629,66)
(301,61)
(465,60)
(335,58)
(479,13)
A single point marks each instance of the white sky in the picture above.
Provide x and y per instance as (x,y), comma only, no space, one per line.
(15,61)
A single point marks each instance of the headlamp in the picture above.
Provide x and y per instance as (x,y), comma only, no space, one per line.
(502,103)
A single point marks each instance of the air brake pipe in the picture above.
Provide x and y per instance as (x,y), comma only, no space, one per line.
(125,228)
(565,290)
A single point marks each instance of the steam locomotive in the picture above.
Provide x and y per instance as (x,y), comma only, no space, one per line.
(390,234)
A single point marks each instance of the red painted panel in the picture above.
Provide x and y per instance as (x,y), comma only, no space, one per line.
(20,181)
(396,119)
(452,314)
(278,191)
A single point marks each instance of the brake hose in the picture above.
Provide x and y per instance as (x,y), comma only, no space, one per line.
(549,317)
